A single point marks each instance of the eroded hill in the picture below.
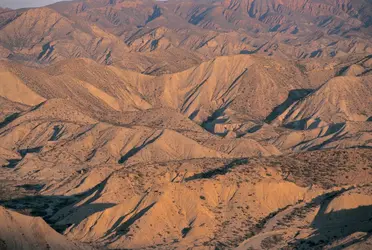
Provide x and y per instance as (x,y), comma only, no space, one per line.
(186,125)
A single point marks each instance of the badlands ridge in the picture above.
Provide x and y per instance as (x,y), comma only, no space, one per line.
(140,124)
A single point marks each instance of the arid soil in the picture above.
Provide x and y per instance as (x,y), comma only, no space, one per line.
(186,125)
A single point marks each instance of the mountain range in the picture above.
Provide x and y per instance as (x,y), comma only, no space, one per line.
(140,124)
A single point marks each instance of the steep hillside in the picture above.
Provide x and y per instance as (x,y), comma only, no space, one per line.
(24,232)
(341,99)
(226,85)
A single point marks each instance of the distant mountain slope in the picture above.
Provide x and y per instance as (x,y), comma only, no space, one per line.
(230,93)
(141,35)
(240,87)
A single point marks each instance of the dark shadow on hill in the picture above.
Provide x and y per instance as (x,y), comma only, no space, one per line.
(12,163)
(218,171)
(135,150)
(124,228)
(254,129)
(37,106)
(195,19)
(335,226)
(250,52)
(336,130)
(56,133)
(24,152)
(293,96)
(32,187)
(308,124)
(156,12)
(37,205)
(363,239)
(118,225)
(329,228)
(47,206)
(214,119)
(9,119)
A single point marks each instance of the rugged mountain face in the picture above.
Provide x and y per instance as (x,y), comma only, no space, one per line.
(118,159)
(50,36)
(224,94)
(138,124)
(121,32)
(222,86)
